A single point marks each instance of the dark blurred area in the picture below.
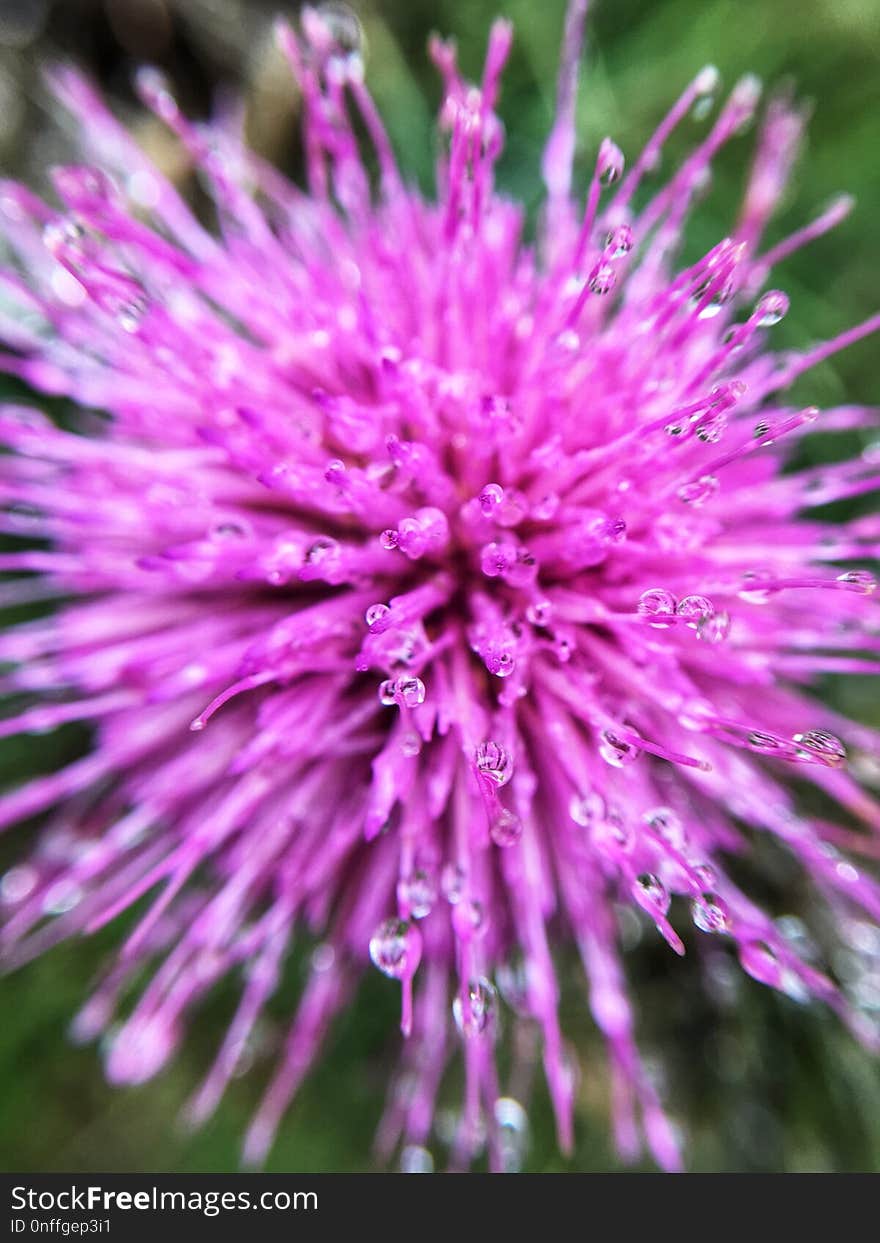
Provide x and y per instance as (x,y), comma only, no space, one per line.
(756,1081)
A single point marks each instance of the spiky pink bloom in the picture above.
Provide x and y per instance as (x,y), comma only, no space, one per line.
(426,589)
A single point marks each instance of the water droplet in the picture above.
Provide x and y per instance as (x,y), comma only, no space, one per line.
(611,833)
(469,918)
(567,340)
(491,497)
(143,189)
(411,744)
(418,892)
(615,751)
(650,893)
(17,883)
(502,665)
(545,508)
(494,762)
(764,743)
(474,1012)
(452,883)
(667,824)
(414,1159)
(584,809)
(711,426)
(376,613)
(861,582)
(698,491)
(410,692)
(389,539)
(64,238)
(395,948)
(705,875)
(322,551)
(770,308)
(659,605)
(760,962)
(497,558)
(228,531)
(563,646)
(605,531)
(602,279)
(752,591)
(714,627)
(323,957)
(506,828)
(706,86)
(539,612)
(512,980)
(130,312)
(610,162)
(721,294)
(797,935)
(821,745)
(710,914)
(694,609)
(155,90)
(619,242)
(388,692)
(62,897)
(343,25)
(513,1133)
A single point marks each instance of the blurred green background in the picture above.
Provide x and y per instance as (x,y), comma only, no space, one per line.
(756,1081)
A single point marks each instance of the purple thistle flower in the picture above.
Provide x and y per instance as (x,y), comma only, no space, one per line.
(426,590)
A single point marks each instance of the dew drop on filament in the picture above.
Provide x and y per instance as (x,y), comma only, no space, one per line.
(414,1159)
(705,874)
(698,491)
(410,692)
(584,809)
(659,605)
(771,308)
(494,762)
(418,892)
(651,894)
(692,609)
(396,948)
(710,914)
(474,1011)
(609,165)
(539,612)
(619,242)
(376,613)
(667,824)
(714,627)
(862,582)
(752,590)
(602,279)
(388,692)
(615,750)
(452,883)
(469,919)
(820,745)
(490,498)
(506,828)
(513,1133)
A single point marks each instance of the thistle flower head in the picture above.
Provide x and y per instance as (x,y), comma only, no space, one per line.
(429,589)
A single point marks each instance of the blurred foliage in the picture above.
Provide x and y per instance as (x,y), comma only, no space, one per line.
(758,1082)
